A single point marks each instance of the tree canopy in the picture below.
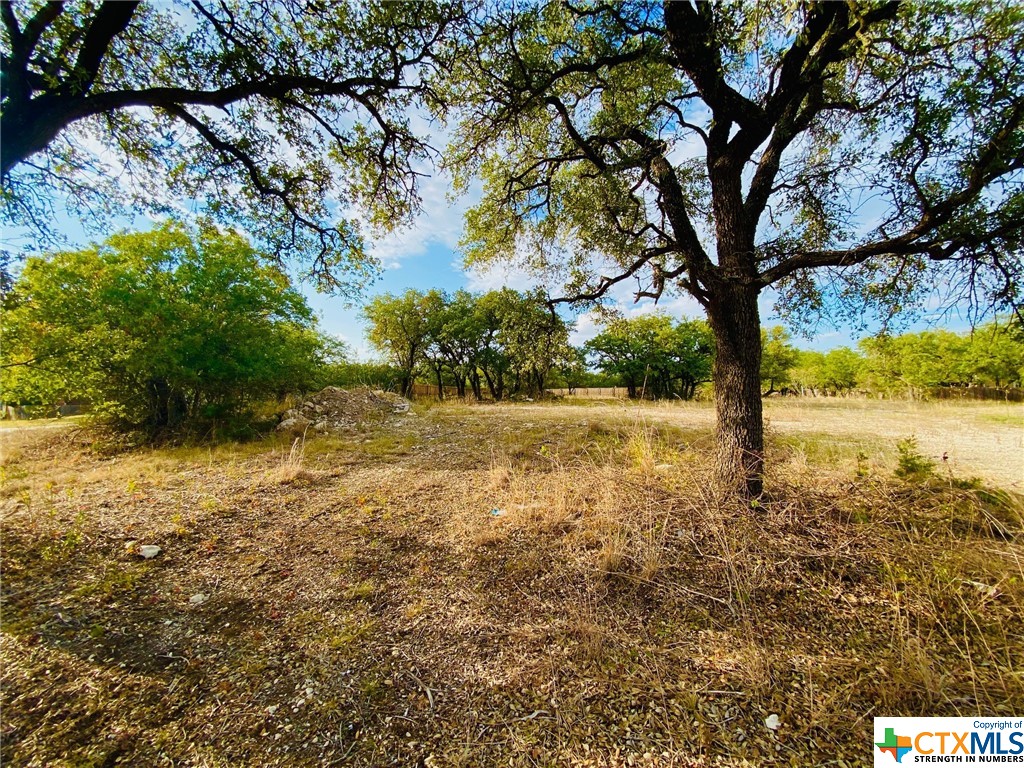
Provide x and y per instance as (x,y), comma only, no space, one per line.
(398,327)
(838,371)
(653,356)
(509,341)
(909,364)
(778,356)
(157,329)
(279,117)
(839,153)
(993,355)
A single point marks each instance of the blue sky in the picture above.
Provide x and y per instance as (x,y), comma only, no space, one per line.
(425,255)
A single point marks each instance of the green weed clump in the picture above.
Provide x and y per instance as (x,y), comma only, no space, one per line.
(911,464)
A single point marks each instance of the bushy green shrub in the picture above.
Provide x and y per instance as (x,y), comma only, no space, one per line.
(158,330)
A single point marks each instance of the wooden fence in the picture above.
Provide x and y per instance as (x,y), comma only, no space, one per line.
(1007,394)
(430,390)
(592,393)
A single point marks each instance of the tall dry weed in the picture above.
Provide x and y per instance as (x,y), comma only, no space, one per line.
(291,467)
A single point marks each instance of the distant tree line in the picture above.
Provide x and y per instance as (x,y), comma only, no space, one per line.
(903,365)
(507,344)
(654,357)
(506,341)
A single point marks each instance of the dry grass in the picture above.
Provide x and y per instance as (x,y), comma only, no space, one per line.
(291,470)
(495,585)
(979,439)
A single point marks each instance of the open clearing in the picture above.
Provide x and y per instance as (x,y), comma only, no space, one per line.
(979,439)
(519,585)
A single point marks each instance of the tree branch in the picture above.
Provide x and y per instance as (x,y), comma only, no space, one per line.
(259,182)
(18,82)
(691,37)
(799,96)
(606,283)
(110,20)
(674,205)
(43,18)
(13,30)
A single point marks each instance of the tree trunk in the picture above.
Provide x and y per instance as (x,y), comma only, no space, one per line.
(177,411)
(160,396)
(736,324)
(440,383)
(492,385)
(538,381)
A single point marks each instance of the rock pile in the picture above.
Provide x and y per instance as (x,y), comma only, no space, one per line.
(338,410)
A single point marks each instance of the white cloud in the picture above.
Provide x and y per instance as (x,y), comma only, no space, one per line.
(673,306)
(439,222)
(364,353)
(587,327)
(494,277)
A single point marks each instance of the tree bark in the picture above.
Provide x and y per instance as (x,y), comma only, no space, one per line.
(489,380)
(440,383)
(736,324)
(160,394)
(538,380)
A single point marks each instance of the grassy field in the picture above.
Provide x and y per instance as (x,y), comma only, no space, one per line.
(527,585)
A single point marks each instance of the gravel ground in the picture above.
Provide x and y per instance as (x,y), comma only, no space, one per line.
(524,585)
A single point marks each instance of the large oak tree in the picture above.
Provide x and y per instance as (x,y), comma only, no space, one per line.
(839,153)
(277,116)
